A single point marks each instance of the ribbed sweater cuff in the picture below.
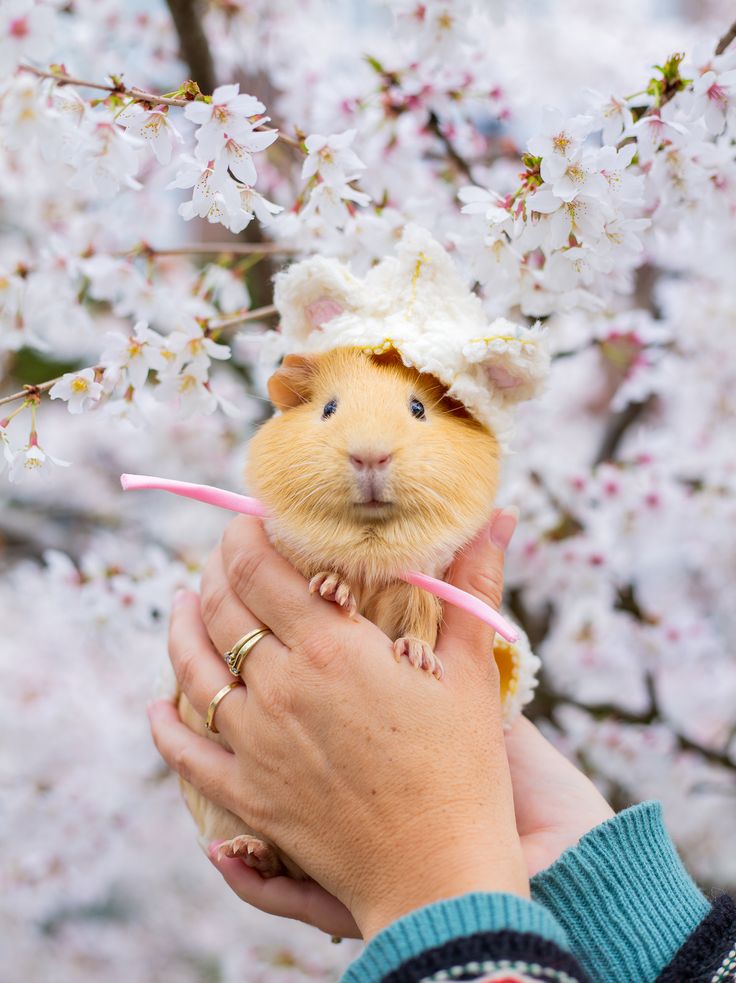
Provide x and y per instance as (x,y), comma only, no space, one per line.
(429,927)
(623,897)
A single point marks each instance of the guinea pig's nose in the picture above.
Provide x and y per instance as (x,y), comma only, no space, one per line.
(366,460)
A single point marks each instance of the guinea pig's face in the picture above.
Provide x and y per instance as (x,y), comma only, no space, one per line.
(368,440)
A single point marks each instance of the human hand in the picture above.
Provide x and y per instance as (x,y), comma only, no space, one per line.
(555,803)
(413,816)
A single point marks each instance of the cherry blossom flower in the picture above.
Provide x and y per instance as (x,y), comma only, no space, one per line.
(715,99)
(107,161)
(328,201)
(614,113)
(236,155)
(33,461)
(559,141)
(215,196)
(256,205)
(332,158)
(228,117)
(192,347)
(133,356)
(189,389)
(79,389)
(152,126)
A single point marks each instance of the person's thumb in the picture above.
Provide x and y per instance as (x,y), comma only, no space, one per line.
(477,569)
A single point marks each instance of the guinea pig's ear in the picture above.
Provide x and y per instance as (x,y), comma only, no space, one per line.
(291,383)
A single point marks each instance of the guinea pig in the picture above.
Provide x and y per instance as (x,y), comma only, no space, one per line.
(368,469)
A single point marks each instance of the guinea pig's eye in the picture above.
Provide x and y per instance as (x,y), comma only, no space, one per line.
(417,409)
(329,409)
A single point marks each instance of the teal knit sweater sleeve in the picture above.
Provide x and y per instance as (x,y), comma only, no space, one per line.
(476,933)
(495,916)
(623,897)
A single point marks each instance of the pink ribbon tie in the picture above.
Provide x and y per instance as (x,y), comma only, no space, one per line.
(251,506)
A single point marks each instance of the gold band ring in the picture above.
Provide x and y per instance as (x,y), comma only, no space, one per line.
(214,703)
(236,656)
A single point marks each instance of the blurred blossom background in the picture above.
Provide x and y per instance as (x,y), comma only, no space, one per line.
(575,183)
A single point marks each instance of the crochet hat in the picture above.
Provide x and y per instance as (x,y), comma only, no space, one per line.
(416,303)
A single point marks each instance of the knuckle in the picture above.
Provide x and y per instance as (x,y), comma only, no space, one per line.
(182,762)
(243,569)
(211,602)
(487,584)
(185,670)
(320,651)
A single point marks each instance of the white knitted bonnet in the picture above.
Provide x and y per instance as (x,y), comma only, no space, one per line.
(416,303)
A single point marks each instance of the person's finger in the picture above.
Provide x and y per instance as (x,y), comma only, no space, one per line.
(305,901)
(200,671)
(273,590)
(228,620)
(478,569)
(206,765)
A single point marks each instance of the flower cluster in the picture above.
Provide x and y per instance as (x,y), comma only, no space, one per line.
(331,166)
(222,171)
(573,232)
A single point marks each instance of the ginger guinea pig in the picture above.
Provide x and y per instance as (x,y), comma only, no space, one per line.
(369,469)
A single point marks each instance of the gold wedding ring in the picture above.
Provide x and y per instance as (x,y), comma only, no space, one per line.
(236,656)
(214,703)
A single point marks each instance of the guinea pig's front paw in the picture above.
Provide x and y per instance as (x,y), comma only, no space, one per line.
(419,654)
(332,587)
(254,852)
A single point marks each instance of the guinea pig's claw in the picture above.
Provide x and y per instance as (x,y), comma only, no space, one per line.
(333,588)
(254,852)
(420,655)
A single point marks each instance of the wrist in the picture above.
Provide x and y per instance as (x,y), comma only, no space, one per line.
(439,876)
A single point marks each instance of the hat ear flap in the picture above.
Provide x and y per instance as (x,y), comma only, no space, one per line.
(312,293)
(513,361)
(291,384)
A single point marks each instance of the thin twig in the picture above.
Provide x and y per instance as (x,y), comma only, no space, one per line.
(727,38)
(460,163)
(254,315)
(214,324)
(140,95)
(29,392)
(220,248)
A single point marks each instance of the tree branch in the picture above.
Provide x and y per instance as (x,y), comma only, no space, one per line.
(548,700)
(218,248)
(617,428)
(140,95)
(195,48)
(460,163)
(256,314)
(214,324)
(33,392)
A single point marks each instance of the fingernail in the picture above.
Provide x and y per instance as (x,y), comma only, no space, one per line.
(503,527)
(179,596)
(212,849)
